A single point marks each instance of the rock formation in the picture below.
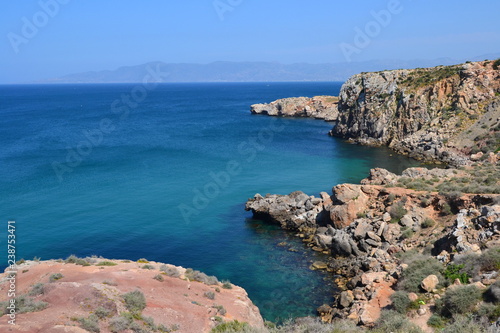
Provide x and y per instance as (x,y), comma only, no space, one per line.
(82,295)
(435,114)
(319,107)
(363,226)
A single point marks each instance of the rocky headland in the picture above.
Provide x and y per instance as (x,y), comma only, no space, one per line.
(434,114)
(319,107)
(100,295)
(423,245)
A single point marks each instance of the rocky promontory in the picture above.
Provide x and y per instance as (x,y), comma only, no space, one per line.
(319,107)
(100,295)
(435,114)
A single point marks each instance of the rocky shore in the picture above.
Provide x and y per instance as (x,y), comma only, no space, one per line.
(101,295)
(438,223)
(319,107)
(365,226)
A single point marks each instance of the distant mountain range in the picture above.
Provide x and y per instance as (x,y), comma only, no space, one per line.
(226,71)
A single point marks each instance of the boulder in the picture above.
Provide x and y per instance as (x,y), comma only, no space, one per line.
(349,201)
(346,298)
(429,283)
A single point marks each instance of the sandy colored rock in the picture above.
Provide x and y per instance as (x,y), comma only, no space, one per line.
(429,283)
(319,107)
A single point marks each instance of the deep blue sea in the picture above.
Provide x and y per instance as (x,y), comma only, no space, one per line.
(123,172)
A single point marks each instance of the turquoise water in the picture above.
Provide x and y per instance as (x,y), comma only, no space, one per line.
(128,179)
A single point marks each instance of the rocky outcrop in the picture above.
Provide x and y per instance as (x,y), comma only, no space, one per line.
(363,226)
(88,295)
(433,114)
(319,107)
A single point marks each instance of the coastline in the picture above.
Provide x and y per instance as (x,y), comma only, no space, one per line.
(368,228)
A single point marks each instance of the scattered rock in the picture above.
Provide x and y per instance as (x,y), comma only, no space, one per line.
(430,283)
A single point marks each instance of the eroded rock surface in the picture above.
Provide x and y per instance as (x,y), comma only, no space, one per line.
(174,302)
(319,107)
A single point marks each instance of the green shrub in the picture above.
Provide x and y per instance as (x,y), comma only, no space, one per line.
(391,321)
(55,277)
(400,301)
(407,233)
(109,283)
(102,312)
(220,309)
(312,325)
(138,328)
(107,263)
(200,277)
(453,272)
(465,325)
(446,209)
(230,326)
(460,300)
(428,223)
(488,310)
(493,292)
(148,267)
(158,277)
(417,271)
(496,64)
(143,261)
(209,295)
(90,324)
(227,285)
(473,263)
(397,211)
(120,323)
(72,259)
(170,271)
(24,304)
(135,301)
(436,321)
(37,289)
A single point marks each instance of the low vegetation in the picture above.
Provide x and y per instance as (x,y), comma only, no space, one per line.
(418,269)
(90,324)
(24,304)
(194,275)
(135,301)
(55,277)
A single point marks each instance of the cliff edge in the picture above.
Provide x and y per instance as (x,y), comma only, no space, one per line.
(437,114)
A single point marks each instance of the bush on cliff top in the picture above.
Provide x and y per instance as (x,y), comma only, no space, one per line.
(135,301)
(417,271)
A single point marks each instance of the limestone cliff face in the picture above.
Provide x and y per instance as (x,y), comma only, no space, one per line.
(424,113)
(319,107)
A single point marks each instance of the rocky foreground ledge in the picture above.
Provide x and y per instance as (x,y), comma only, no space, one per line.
(319,107)
(100,295)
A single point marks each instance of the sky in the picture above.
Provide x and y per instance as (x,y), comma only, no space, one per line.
(50,38)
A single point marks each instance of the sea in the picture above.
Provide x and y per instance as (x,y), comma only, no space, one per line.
(163,171)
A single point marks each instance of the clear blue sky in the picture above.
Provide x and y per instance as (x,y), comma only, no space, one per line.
(95,35)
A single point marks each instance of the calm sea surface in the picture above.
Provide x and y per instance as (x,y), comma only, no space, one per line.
(123,172)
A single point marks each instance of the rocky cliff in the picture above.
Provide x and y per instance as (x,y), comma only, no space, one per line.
(319,107)
(436,114)
(99,295)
